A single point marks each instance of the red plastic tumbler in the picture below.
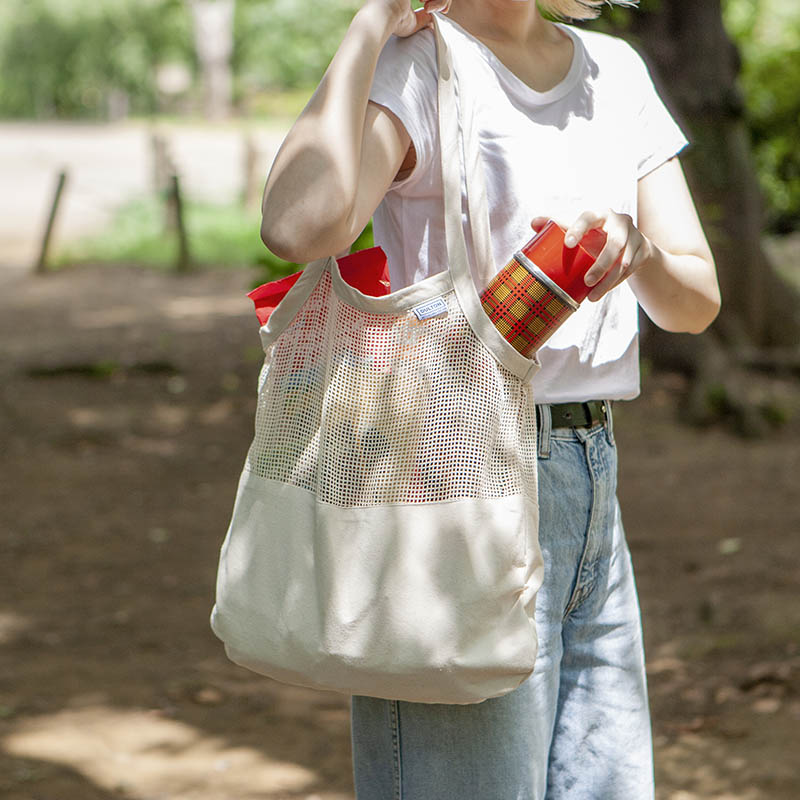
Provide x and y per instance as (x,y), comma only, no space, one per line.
(541,286)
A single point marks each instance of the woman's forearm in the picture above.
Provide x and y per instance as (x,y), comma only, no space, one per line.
(311,188)
(677,282)
(666,258)
(679,293)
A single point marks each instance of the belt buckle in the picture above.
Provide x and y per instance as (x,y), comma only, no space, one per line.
(589,409)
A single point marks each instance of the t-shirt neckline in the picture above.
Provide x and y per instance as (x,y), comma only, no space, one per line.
(516,84)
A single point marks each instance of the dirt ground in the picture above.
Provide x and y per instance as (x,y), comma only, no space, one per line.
(126,406)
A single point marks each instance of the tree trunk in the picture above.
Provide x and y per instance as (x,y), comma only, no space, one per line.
(695,65)
(213,34)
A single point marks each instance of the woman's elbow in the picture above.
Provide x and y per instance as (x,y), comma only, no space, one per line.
(692,316)
(705,315)
(707,300)
(283,246)
(302,238)
(306,246)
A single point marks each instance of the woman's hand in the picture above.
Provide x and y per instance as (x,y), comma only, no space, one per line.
(625,251)
(666,256)
(408,21)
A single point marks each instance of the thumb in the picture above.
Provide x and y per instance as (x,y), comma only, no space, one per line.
(425,15)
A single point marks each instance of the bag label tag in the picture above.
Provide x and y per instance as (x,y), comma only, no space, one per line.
(430,308)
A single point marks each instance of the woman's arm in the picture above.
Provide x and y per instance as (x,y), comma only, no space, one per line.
(677,286)
(342,153)
(667,258)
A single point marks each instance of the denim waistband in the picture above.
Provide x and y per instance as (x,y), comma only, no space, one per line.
(544,421)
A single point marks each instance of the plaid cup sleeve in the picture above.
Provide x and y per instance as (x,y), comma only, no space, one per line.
(523,307)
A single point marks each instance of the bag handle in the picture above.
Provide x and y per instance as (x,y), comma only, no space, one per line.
(451,135)
(451,139)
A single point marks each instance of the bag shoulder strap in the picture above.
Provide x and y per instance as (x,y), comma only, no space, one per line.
(452,132)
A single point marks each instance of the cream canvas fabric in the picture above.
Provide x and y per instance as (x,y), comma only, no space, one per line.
(384,534)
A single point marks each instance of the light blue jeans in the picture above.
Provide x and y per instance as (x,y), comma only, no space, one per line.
(579,727)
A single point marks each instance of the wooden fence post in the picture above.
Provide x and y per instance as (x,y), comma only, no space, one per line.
(161,162)
(41,264)
(252,176)
(175,206)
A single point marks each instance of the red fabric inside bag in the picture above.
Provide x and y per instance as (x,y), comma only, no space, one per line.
(366,270)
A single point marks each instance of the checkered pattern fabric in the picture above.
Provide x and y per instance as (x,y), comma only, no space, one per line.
(523,308)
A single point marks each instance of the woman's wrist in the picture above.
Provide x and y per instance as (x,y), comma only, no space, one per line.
(679,292)
(379,18)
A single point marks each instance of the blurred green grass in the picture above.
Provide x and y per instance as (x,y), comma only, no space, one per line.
(277,106)
(220,236)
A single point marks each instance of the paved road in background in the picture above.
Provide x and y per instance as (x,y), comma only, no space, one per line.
(108,165)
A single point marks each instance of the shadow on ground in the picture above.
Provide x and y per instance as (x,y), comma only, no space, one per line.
(126,406)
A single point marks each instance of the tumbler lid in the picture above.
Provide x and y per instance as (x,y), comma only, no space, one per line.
(566,266)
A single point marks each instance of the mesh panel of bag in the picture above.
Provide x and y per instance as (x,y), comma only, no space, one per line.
(407,418)
(383,540)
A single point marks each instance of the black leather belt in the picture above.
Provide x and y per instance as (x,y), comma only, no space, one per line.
(578,415)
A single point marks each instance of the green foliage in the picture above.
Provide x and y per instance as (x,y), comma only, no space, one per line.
(365,239)
(287,44)
(70,58)
(64,58)
(775,125)
(775,413)
(768,35)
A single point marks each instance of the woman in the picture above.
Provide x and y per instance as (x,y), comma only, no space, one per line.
(569,127)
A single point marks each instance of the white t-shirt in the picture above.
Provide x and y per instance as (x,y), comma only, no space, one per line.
(581,145)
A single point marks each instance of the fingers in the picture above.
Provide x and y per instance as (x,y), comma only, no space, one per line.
(430,6)
(609,261)
(625,248)
(619,257)
(422,19)
(619,271)
(537,223)
(437,5)
(422,16)
(584,223)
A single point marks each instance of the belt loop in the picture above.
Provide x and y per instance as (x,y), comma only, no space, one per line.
(609,422)
(545,420)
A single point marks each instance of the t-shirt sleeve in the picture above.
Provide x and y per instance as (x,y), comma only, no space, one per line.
(405,82)
(658,136)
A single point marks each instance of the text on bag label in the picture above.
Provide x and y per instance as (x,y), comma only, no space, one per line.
(430,308)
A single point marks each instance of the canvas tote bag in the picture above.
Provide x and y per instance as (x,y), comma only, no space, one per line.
(384,534)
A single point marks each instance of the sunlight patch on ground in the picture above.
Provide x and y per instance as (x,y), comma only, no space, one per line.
(91,319)
(147,755)
(89,418)
(184,307)
(706,769)
(11,625)
(177,308)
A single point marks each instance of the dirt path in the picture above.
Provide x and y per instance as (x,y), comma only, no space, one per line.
(126,403)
